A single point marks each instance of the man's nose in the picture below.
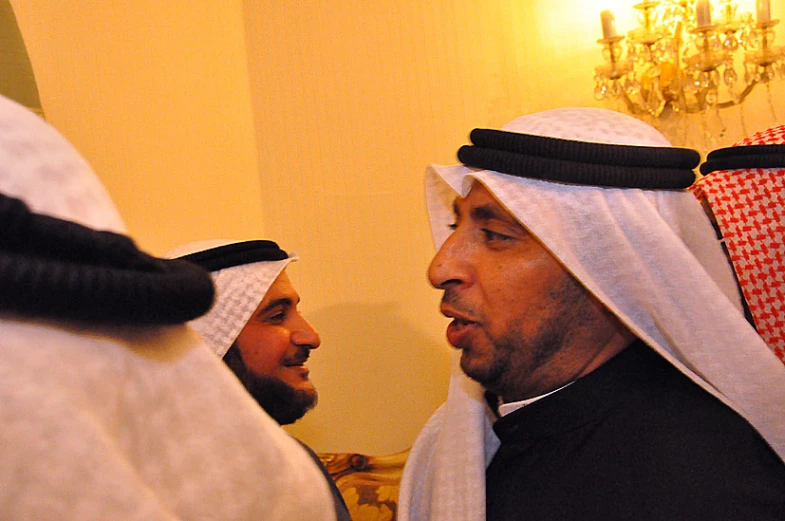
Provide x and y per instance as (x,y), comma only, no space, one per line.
(305,335)
(448,266)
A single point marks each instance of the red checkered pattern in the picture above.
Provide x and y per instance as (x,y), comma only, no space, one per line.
(748,205)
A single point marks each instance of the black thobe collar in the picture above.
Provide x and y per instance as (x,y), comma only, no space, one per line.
(588,398)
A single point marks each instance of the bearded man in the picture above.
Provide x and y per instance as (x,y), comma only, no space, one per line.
(256,328)
(611,372)
(111,407)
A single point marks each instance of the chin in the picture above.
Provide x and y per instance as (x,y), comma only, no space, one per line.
(284,402)
(308,393)
(478,370)
(478,374)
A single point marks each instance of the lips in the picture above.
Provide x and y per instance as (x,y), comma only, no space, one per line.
(460,329)
(297,358)
(296,363)
(299,369)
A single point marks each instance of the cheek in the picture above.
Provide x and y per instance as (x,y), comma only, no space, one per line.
(262,351)
(523,289)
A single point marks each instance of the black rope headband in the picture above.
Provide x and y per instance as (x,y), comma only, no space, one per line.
(236,254)
(55,268)
(579,162)
(744,157)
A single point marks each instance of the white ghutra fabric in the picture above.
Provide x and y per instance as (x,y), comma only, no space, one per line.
(238,291)
(135,422)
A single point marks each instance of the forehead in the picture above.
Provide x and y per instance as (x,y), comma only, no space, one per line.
(281,288)
(480,204)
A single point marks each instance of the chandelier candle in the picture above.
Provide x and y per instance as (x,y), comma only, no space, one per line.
(763,9)
(683,59)
(608,24)
(703,13)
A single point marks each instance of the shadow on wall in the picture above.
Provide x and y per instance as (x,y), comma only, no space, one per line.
(17,81)
(379,379)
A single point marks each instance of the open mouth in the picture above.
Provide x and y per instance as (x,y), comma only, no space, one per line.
(459,332)
(461,322)
(461,327)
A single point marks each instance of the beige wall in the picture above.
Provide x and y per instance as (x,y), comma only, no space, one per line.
(311,123)
(156,96)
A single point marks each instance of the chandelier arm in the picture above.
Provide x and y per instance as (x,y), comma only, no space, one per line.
(673,65)
(630,105)
(742,96)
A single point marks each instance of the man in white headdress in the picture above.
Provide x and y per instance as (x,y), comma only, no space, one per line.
(611,372)
(257,329)
(110,406)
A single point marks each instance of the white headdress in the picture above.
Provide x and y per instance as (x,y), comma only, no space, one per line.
(151,423)
(239,286)
(39,166)
(667,280)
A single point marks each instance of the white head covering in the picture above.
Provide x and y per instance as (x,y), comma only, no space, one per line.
(38,165)
(651,256)
(238,292)
(137,423)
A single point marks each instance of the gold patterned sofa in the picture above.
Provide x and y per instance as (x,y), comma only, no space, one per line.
(369,484)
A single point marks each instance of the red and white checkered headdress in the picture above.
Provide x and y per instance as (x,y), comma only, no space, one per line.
(744,186)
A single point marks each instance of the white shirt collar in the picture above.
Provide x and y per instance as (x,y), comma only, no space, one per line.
(507,408)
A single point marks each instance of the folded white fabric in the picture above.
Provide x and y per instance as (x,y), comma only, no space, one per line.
(103,421)
(238,292)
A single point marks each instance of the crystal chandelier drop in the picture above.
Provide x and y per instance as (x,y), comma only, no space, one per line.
(687,56)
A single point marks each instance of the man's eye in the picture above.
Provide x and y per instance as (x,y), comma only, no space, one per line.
(278,317)
(493,236)
(452,226)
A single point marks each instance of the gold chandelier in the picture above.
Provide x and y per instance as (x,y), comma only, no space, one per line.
(686,55)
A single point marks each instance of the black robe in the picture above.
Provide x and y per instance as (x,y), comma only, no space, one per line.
(633,440)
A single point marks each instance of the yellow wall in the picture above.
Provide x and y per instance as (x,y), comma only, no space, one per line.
(311,123)
(156,96)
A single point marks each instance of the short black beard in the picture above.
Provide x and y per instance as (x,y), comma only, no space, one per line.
(509,369)
(283,403)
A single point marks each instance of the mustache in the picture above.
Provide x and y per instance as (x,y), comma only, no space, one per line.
(299,357)
(453,301)
(450,298)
